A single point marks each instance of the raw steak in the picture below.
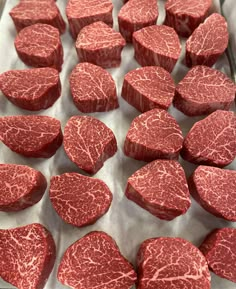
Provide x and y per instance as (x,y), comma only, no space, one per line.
(215,190)
(95,261)
(207,42)
(81,13)
(21,187)
(148,87)
(35,136)
(31,89)
(161,188)
(100,44)
(99,95)
(135,15)
(204,90)
(171,263)
(185,16)
(79,200)
(219,249)
(212,141)
(39,45)
(27,256)
(27,13)
(152,135)
(157,45)
(88,142)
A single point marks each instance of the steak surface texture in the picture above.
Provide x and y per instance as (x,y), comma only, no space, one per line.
(27,256)
(95,261)
(79,200)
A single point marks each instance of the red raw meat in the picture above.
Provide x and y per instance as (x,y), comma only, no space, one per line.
(100,44)
(88,142)
(79,200)
(185,16)
(171,263)
(81,13)
(215,190)
(39,45)
(152,135)
(148,87)
(161,188)
(204,90)
(35,136)
(27,13)
(212,141)
(95,261)
(27,256)
(157,45)
(135,15)
(31,89)
(207,42)
(99,95)
(219,248)
(21,187)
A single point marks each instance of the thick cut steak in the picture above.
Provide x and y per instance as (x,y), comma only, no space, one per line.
(39,45)
(79,200)
(207,42)
(27,13)
(204,90)
(219,248)
(152,135)
(99,44)
(88,142)
(171,263)
(92,88)
(31,89)
(95,261)
(27,256)
(157,45)
(185,16)
(135,15)
(215,190)
(148,87)
(161,188)
(81,13)
(21,187)
(212,141)
(35,136)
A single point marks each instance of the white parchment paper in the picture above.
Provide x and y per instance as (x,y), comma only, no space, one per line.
(127,223)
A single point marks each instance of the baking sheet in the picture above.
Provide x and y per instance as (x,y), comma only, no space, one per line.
(127,223)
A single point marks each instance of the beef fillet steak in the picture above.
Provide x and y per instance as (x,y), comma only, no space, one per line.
(99,44)
(157,45)
(171,263)
(215,190)
(148,87)
(212,141)
(207,42)
(35,136)
(152,135)
(81,13)
(95,261)
(219,248)
(39,45)
(31,89)
(161,188)
(204,90)
(92,88)
(27,256)
(79,200)
(27,13)
(88,142)
(135,15)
